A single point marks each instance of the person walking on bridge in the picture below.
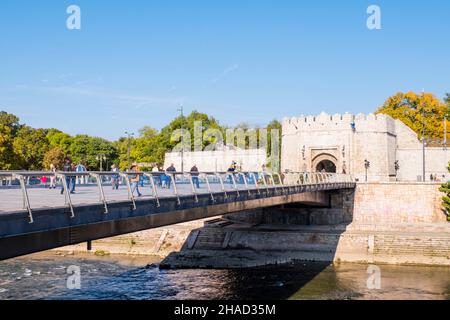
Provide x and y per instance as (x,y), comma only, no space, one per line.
(194,176)
(171,174)
(115,179)
(68,168)
(53,177)
(135,180)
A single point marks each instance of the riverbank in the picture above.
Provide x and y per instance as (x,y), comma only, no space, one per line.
(120,277)
(220,243)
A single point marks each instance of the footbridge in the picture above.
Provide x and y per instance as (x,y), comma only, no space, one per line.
(45,210)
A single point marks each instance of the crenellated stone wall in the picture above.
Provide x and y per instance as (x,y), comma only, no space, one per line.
(348,140)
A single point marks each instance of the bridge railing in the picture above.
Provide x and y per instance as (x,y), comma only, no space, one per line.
(173,184)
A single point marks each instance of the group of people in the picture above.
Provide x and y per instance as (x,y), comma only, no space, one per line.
(162,178)
(71,181)
(434,177)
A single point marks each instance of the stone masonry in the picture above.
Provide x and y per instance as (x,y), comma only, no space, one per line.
(346,141)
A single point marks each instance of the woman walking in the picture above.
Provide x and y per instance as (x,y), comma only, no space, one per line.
(52,177)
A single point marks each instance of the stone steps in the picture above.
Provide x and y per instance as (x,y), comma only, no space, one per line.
(210,238)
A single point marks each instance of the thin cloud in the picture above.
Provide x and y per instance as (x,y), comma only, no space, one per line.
(227,71)
(139,101)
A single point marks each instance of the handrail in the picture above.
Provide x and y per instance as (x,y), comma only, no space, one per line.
(286,182)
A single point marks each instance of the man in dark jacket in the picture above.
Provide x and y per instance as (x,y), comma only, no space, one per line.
(68,168)
(194,175)
(170,170)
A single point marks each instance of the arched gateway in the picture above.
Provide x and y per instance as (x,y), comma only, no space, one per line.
(325,163)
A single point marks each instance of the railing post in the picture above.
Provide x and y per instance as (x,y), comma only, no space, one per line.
(98,178)
(193,187)
(245,182)
(234,183)
(281,181)
(130,192)
(209,188)
(222,185)
(255,180)
(265,183)
(67,194)
(154,191)
(25,198)
(175,190)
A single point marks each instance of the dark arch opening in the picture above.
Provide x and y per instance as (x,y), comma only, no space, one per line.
(326,166)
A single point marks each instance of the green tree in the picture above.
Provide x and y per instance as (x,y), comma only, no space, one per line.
(55,156)
(445,188)
(57,138)
(9,125)
(408,107)
(30,146)
(85,149)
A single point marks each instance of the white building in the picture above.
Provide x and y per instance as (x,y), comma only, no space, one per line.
(218,160)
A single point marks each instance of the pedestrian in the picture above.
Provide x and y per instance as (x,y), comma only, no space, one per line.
(171,174)
(194,175)
(115,179)
(53,176)
(231,170)
(156,175)
(44,181)
(68,178)
(135,180)
(73,179)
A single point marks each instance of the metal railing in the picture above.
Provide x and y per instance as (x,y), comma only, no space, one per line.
(238,182)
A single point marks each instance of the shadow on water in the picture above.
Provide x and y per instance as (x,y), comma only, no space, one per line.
(280,234)
(279,237)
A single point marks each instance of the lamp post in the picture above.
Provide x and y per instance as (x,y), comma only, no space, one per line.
(101,158)
(397,167)
(423,136)
(182,137)
(367,166)
(445,131)
(129,135)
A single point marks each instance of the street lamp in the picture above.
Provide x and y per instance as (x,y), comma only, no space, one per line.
(101,158)
(129,135)
(423,136)
(182,137)
(367,166)
(397,167)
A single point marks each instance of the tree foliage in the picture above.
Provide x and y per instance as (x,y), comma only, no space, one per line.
(9,125)
(23,147)
(445,188)
(30,146)
(55,156)
(411,107)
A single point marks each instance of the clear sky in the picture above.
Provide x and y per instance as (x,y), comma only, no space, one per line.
(133,62)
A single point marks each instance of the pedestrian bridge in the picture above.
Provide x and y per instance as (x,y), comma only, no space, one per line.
(34,217)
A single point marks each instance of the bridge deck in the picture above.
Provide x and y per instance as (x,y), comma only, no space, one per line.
(11,198)
(50,222)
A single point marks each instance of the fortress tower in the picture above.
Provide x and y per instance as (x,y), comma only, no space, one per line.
(342,143)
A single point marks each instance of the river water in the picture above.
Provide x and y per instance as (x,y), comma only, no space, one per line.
(44,276)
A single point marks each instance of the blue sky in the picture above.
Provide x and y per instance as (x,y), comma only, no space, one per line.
(133,62)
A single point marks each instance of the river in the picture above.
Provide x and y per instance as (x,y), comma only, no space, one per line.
(44,276)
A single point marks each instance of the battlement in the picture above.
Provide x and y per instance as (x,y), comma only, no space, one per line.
(336,118)
(326,121)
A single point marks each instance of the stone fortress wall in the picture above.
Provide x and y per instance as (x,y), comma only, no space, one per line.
(347,141)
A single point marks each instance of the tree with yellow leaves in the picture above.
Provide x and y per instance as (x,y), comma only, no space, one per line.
(417,109)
